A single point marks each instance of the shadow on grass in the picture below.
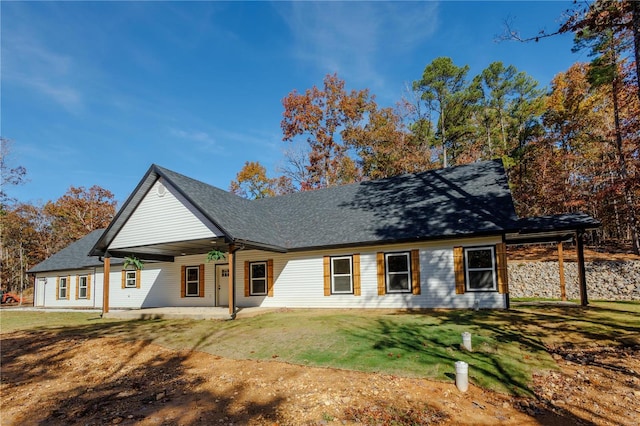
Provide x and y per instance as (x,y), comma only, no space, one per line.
(497,362)
(508,345)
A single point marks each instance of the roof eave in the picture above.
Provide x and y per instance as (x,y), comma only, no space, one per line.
(492,233)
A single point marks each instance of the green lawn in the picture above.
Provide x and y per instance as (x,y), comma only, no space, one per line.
(508,345)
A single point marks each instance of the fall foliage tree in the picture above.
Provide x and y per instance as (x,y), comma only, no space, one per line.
(9,255)
(8,175)
(252,182)
(78,212)
(573,167)
(606,43)
(619,18)
(27,240)
(545,181)
(323,116)
(386,147)
(30,233)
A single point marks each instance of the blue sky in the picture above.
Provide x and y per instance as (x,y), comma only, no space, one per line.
(94,93)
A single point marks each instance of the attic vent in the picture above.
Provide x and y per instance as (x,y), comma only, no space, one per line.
(161,190)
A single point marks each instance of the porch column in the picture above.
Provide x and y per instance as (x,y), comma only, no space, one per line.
(232,281)
(105,285)
(563,290)
(582,279)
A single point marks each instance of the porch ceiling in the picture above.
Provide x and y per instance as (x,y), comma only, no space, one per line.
(168,251)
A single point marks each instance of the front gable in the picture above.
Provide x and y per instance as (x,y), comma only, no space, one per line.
(163,216)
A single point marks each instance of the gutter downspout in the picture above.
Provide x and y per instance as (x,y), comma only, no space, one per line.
(232,282)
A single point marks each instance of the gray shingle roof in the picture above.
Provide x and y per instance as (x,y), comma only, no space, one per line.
(466,200)
(457,201)
(238,217)
(74,256)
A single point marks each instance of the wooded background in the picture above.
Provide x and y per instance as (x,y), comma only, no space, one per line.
(573,146)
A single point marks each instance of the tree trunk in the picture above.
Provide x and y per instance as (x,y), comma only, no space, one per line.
(444,138)
(635,14)
(623,174)
(502,130)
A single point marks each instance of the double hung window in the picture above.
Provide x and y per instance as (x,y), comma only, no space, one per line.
(258,278)
(83,286)
(480,269)
(130,279)
(192,281)
(398,267)
(341,275)
(63,288)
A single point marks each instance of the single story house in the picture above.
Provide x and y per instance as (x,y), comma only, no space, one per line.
(435,239)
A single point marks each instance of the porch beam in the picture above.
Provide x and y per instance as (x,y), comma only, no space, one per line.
(563,289)
(582,279)
(105,285)
(143,256)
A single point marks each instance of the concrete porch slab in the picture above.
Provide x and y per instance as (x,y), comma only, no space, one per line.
(192,313)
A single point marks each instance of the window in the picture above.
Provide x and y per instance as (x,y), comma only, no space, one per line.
(480,269)
(192,281)
(224,273)
(398,272)
(63,288)
(398,267)
(83,286)
(130,279)
(258,278)
(341,275)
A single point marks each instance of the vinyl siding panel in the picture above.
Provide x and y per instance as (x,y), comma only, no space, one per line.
(163,219)
(160,285)
(299,279)
(45,294)
(298,282)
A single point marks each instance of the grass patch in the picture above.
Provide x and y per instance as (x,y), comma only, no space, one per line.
(12,320)
(508,345)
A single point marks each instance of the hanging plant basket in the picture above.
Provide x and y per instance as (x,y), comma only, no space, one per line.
(133,261)
(215,255)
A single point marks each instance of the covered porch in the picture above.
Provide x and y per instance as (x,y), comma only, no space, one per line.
(217,254)
(558,229)
(173,219)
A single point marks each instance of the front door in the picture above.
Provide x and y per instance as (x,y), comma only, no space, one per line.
(222,285)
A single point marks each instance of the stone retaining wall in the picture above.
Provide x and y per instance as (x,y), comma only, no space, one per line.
(611,280)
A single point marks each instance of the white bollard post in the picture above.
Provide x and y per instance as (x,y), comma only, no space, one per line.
(466,341)
(462,376)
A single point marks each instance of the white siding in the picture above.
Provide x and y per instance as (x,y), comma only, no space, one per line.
(163,219)
(299,282)
(160,285)
(45,294)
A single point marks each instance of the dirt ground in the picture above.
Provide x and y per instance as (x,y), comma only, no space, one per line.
(70,379)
